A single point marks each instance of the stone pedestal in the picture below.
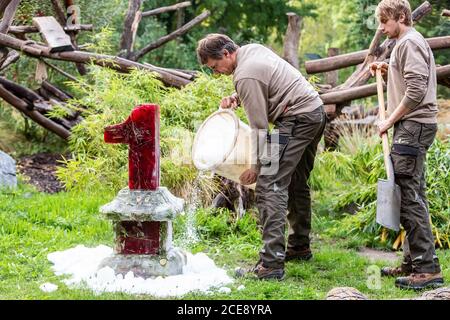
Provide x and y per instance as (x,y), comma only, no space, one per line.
(143,224)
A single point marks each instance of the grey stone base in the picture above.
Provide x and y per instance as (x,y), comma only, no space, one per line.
(147,266)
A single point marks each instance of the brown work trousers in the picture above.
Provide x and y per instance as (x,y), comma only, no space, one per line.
(286,189)
(409,149)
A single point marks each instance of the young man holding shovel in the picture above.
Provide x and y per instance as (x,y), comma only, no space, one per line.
(412,105)
(271,90)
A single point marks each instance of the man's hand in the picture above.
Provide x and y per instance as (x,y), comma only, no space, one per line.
(230,102)
(384,126)
(248,177)
(378,65)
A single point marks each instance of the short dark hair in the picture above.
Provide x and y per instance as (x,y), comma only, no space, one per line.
(212,46)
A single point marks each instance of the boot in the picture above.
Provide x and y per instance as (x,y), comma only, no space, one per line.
(301,254)
(419,281)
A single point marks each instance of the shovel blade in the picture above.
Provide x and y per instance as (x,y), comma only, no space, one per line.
(388,204)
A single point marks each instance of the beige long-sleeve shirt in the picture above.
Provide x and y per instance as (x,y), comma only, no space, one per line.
(269,87)
(412,78)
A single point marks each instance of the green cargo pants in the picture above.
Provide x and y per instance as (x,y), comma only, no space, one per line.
(286,188)
(410,145)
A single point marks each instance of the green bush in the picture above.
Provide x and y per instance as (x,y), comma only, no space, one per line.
(110,97)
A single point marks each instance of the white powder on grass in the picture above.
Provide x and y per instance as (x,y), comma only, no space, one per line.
(199,274)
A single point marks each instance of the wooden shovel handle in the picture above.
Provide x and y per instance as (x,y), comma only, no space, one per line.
(382,113)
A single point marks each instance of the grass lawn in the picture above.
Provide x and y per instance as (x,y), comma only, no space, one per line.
(34,224)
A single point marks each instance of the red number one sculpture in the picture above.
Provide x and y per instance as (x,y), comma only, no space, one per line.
(141,132)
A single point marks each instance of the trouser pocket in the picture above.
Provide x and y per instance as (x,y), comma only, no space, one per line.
(404,159)
(273,152)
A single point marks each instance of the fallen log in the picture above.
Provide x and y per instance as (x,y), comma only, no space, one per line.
(116,63)
(61,95)
(152,46)
(166,9)
(351,59)
(376,53)
(34,115)
(343,95)
(16,30)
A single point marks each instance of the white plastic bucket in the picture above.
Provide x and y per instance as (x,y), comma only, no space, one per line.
(222,144)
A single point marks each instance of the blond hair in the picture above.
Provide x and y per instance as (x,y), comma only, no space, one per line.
(392,9)
(212,46)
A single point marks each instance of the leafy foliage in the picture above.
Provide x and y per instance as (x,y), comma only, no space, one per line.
(110,97)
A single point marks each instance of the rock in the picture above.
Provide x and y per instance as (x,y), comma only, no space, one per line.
(345,293)
(437,294)
(7,171)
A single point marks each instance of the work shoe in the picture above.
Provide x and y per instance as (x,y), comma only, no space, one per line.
(419,281)
(261,272)
(264,273)
(301,254)
(396,271)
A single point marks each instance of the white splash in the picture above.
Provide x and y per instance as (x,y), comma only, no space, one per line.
(48,287)
(81,263)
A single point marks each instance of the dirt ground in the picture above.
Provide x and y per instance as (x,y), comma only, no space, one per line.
(39,169)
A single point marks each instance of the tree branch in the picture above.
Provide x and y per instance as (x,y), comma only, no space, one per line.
(166,9)
(60,13)
(136,56)
(113,62)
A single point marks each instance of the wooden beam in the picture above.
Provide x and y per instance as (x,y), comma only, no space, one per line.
(351,59)
(166,9)
(136,56)
(340,96)
(354,58)
(112,62)
(61,95)
(131,24)
(33,29)
(53,34)
(292,39)
(34,115)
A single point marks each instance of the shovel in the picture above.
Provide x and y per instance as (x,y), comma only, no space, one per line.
(388,192)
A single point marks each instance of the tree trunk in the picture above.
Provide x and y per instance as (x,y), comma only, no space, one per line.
(132,20)
(292,39)
(9,8)
(332,77)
